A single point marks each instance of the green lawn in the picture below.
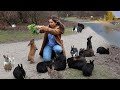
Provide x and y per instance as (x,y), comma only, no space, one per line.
(68,31)
(71,18)
(16,36)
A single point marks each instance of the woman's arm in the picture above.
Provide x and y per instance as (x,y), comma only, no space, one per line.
(55,31)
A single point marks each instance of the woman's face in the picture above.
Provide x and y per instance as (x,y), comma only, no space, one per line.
(52,23)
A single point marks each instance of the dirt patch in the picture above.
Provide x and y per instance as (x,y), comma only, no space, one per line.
(112,60)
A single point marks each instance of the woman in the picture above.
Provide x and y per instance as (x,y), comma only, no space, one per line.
(52,43)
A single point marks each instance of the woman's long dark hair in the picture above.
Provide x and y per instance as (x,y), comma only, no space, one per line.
(59,23)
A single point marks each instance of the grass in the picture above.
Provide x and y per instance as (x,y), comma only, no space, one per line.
(16,36)
(71,18)
(68,31)
(8,36)
(77,19)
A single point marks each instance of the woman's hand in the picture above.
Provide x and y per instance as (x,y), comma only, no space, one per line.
(43,29)
(38,26)
(40,29)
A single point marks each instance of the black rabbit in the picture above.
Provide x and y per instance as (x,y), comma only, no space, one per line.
(88,68)
(102,50)
(42,66)
(88,52)
(76,64)
(59,62)
(19,72)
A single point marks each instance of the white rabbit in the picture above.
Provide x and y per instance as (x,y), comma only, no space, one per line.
(8,63)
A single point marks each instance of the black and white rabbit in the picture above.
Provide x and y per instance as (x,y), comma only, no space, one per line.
(73,51)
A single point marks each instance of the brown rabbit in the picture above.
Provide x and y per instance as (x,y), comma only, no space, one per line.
(32,51)
(54,74)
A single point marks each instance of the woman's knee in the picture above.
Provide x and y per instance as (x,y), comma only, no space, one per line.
(46,56)
(57,49)
(46,59)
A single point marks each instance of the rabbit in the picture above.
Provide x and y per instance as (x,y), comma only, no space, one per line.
(89,43)
(74,51)
(80,27)
(8,63)
(88,52)
(59,62)
(102,50)
(74,28)
(12,60)
(88,68)
(76,64)
(32,51)
(41,66)
(19,72)
(54,74)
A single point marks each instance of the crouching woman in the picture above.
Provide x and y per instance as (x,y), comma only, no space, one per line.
(52,44)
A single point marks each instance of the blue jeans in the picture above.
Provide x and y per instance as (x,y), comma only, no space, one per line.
(47,52)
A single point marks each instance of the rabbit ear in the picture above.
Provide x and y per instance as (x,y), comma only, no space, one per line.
(48,69)
(91,61)
(21,66)
(36,48)
(7,57)
(18,65)
(53,67)
(4,56)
